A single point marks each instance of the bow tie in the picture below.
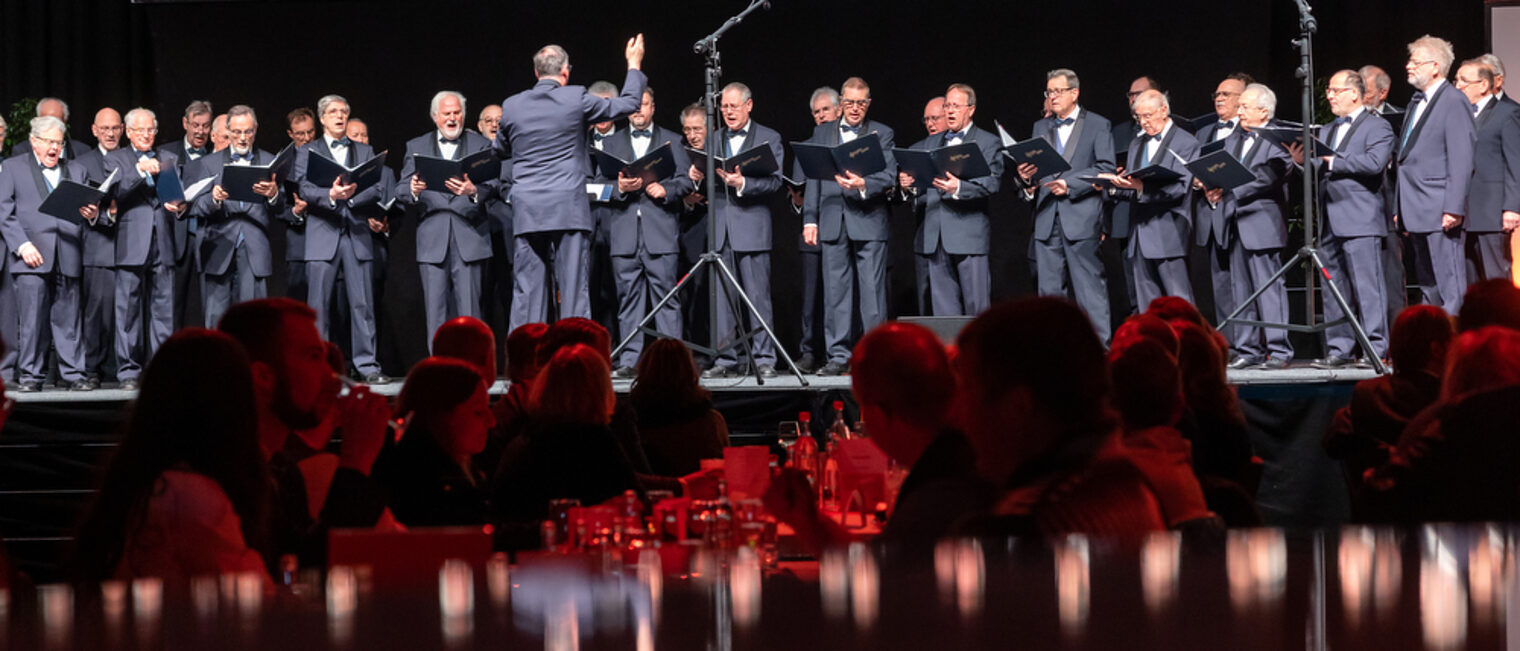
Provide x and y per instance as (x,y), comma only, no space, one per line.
(738,133)
(597,136)
(641,133)
(1061,122)
(146,154)
(955,135)
(1417,97)
(48,169)
(247,157)
(195,151)
(1475,110)
(1228,124)
(448,141)
(849,129)
(1340,121)
(341,142)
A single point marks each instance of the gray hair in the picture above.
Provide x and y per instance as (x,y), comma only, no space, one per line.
(743,90)
(1355,81)
(141,112)
(46,123)
(1439,50)
(1494,62)
(603,89)
(198,107)
(550,61)
(1070,75)
(241,110)
(1375,78)
(62,103)
(1265,98)
(438,99)
(824,91)
(1155,97)
(326,101)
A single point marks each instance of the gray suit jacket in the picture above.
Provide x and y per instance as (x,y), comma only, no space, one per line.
(745,220)
(99,240)
(1353,186)
(543,132)
(1495,184)
(1158,214)
(1257,211)
(22,191)
(140,219)
(1089,151)
(636,217)
(443,216)
(961,222)
(231,221)
(326,221)
(836,211)
(1435,163)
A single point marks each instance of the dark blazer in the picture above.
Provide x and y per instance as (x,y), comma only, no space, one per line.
(443,216)
(325,222)
(744,221)
(140,219)
(178,149)
(99,240)
(835,211)
(584,462)
(1089,151)
(637,216)
(1208,221)
(961,223)
(543,132)
(425,488)
(1118,212)
(231,221)
(1353,186)
(22,191)
(1258,211)
(1495,185)
(1159,215)
(1435,165)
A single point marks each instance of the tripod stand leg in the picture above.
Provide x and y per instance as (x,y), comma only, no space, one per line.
(781,350)
(669,296)
(1281,271)
(1351,317)
(733,305)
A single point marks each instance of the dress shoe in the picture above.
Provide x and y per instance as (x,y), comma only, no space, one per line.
(1332,362)
(94,382)
(1274,364)
(129,385)
(81,385)
(623,373)
(720,372)
(31,386)
(807,364)
(1241,363)
(767,371)
(834,368)
(376,379)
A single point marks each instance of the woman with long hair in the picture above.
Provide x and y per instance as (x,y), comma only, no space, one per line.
(677,423)
(430,473)
(187,492)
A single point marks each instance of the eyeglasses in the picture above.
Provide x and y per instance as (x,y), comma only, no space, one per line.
(952,106)
(1052,92)
(730,107)
(51,142)
(1415,64)
(241,132)
(1336,90)
(1464,83)
(933,118)
(143,130)
(859,103)
(111,129)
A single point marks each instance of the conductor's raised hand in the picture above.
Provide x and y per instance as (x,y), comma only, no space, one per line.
(634,52)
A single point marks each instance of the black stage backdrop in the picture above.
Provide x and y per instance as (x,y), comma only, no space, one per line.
(388,57)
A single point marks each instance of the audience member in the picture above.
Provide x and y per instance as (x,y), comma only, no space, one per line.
(570,451)
(187,493)
(1176,310)
(1496,302)
(1146,326)
(677,423)
(468,339)
(430,475)
(294,388)
(1148,395)
(625,423)
(1034,399)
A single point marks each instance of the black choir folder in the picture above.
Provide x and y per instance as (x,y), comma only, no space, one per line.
(479,167)
(1219,170)
(1037,151)
(1294,135)
(322,171)
(1152,174)
(65,201)
(658,163)
(965,161)
(863,156)
(755,161)
(238,180)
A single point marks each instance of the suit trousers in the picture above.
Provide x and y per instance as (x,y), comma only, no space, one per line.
(1440,268)
(753,271)
(1396,289)
(97,326)
(1249,270)
(959,285)
(569,252)
(185,300)
(1159,277)
(1355,266)
(144,311)
(1487,256)
(642,280)
(9,324)
(48,307)
(1074,269)
(852,269)
(450,289)
(237,285)
(813,342)
(322,276)
(1222,282)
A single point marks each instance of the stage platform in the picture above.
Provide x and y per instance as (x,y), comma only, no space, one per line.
(57,442)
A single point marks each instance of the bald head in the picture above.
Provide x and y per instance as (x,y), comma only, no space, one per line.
(468,339)
(108,128)
(934,116)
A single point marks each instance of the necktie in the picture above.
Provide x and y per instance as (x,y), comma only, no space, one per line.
(1145,154)
(641,133)
(1415,99)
